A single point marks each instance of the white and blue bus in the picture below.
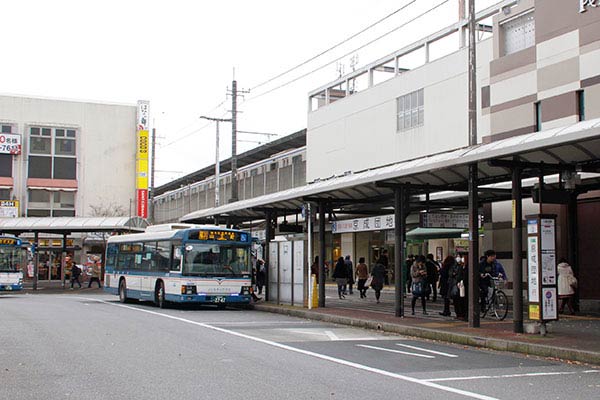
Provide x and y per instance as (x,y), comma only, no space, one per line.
(12,260)
(182,264)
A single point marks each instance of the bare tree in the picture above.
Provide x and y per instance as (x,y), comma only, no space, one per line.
(109,209)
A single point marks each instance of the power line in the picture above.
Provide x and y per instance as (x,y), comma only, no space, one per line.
(195,130)
(334,46)
(347,54)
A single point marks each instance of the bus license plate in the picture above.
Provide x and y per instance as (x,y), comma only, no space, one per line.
(219,299)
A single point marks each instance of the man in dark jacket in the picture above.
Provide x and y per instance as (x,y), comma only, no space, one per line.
(350,267)
(75,272)
(432,275)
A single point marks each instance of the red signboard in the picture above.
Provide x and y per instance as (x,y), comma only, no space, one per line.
(142,203)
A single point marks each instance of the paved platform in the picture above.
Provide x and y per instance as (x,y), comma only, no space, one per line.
(573,337)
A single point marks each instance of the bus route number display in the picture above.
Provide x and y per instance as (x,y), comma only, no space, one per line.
(218,236)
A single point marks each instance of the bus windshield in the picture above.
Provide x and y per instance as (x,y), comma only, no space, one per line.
(216,260)
(10,258)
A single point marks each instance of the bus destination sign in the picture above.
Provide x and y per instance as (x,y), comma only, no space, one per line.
(10,241)
(219,236)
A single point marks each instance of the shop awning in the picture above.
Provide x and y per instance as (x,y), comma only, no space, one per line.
(577,145)
(61,225)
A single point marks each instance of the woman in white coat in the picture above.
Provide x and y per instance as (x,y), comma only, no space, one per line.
(567,283)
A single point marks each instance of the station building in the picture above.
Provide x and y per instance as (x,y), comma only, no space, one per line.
(403,119)
(66,158)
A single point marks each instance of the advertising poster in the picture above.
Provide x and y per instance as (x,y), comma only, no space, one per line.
(532,227)
(9,208)
(532,263)
(549,304)
(548,268)
(547,234)
(534,312)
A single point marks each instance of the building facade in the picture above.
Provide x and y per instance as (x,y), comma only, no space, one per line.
(65,158)
(536,70)
(68,149)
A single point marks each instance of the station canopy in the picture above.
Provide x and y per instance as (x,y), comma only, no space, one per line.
(62,225)
(444,176)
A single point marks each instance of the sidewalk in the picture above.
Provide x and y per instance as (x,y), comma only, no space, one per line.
(573,338)
(56,287)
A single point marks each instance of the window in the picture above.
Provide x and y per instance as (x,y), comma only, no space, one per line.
(52,153)
(6,128)
(55,204)
(5,194)
(581,105)
(518,33)
(538,116)
(410,110)
(6,161)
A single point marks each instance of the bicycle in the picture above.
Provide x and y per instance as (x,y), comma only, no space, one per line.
(497,302)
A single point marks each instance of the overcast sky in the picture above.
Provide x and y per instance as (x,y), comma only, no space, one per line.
(180,55)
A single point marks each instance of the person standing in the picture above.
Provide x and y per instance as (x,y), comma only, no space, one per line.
(385,261)
(448,282)
(432,275)
(378,273)
(260,275)
(362,274)
(461,300)
(340,274)
(408,264)
(350,268)
(567,283)
(96,272)
(420,285)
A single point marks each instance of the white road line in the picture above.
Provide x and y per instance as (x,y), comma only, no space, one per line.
(532,374)
(331,335)
(439,353)
(394,351)
(339,361)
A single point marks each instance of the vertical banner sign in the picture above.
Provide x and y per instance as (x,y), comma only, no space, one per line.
(541,263)
(141,159)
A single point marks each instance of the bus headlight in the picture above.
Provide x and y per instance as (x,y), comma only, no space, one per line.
(246,290)
(188,289)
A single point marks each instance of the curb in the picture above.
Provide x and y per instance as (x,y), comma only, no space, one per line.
(450,337)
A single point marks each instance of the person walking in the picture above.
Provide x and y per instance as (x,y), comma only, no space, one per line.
(378,273)
(420,285)
(340,274)
(432,276)
(350,268)
(96,272)
(362,274)
(75,272)
(567,283)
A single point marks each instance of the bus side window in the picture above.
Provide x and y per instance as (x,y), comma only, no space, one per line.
(149,260)
(176,257)
(163,255)
(111,255)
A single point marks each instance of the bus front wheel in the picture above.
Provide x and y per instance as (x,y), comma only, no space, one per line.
(122,291)
(159,295)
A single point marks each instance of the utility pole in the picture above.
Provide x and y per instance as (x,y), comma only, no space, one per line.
(473,298)
(152,166)
(217,162)
(234,95)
